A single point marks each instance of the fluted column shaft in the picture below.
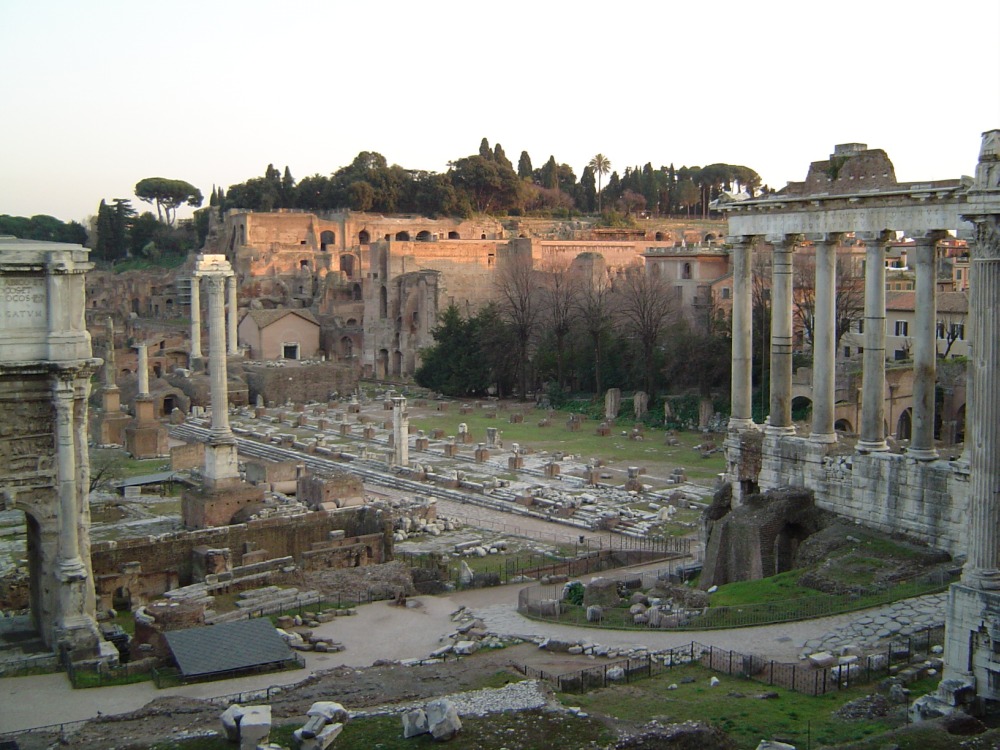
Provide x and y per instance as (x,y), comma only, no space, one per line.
(983,424)
(742,352)
(873,388)
(780,418)
(196,317)
(824,340)
(924,349)
(231,318)
(217,360)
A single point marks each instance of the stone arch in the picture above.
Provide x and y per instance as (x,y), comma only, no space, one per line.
(904,425)
(454,235)
(326,237)
(169,403)
(383,302)
(660,237)
(347,265)
(121,600)
(397,362)
(843,425)
(352,322)
(424,236)
(403,236)
(709,237)
(364,237)
(346,347)
(382,366)
(801,407)
(356,292)
(686,271)
(786,544)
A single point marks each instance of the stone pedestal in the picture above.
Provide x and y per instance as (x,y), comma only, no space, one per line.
(515,462)
(451,449)
(345,428)
(368,433)
(552,469)
(145,437)
(481,454)
(421,444)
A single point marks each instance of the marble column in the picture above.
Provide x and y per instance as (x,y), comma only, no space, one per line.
(824,339)
(71,566)
(742,376)
(143,371)
(109,355)
(400,432)
(873,384)
(924,349)
(217,360)
(231,317)
(196,317)
(970,356)
(779,421)
(982,425)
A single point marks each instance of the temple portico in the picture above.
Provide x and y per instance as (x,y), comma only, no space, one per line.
(951,504)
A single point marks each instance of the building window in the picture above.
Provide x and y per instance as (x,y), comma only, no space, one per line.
(902,328)
(861,325)
(958,332)
(725,292)
(940,330)
(847,351)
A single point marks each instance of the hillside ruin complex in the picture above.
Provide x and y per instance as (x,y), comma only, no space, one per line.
(949,502)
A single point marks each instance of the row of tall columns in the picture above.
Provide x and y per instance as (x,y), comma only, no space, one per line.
(779,421)
(232,347)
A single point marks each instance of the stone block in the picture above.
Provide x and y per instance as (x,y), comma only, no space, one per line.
(442,719)
(255,726)
(414,723)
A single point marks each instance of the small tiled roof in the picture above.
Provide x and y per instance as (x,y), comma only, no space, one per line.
(955,303)
(264,318)
(227,647)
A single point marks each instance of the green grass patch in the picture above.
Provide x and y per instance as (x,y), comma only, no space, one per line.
(776,588)
(792,717)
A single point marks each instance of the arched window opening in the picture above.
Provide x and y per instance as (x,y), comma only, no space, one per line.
(453,236)
(403,236)
(424,236)
(686,274)
(326,238)
(383,302)
(363,237)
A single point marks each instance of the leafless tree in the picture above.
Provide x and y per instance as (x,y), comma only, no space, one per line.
(646,306)
(520,308)
(849,300)
(593,306)
(558,298)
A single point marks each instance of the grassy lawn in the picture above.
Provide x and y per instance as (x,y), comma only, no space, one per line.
(733,706)
(776,588)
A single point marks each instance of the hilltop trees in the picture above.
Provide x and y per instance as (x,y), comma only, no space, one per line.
(167,195)
(487,182)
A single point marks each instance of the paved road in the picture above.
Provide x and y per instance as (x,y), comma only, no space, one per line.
(382,631)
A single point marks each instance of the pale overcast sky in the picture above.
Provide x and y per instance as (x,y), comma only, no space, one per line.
(97,95)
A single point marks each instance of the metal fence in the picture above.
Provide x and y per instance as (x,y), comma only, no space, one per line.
(545,602)
(801,678)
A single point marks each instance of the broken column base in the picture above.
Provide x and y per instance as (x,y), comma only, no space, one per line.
(208,507)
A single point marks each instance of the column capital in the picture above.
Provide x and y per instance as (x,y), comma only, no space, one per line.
(830,238)
(931,237)
(785,240)
(879,238)
(741,239)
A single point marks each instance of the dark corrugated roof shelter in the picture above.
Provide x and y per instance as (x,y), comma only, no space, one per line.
(228,648)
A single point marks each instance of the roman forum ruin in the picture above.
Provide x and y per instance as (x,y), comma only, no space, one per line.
(950,502)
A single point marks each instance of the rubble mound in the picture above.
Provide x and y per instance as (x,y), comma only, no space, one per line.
(689,735)
(866,707)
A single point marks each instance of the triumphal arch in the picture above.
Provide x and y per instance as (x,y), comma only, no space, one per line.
(45,370)
(951,502)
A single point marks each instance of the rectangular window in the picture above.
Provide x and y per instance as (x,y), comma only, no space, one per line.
(958,332)
(902,328)
(725,292)
(847,351)
(861,325)
(940,330)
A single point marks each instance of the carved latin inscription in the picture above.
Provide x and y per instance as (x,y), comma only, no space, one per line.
(22,302)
